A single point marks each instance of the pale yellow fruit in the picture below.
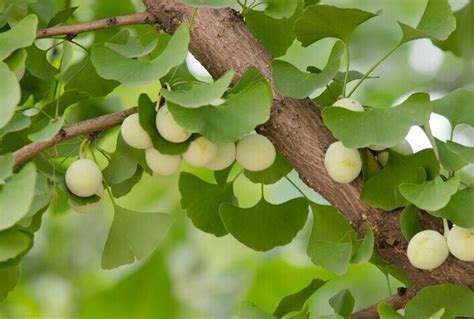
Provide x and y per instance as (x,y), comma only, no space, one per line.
(403,148)
(342,164)
(349,104)
(168,128)
(162,164)
(427,250)
(200,152)
(461,243)
(255,152)
(84,178)
(224,158)
(383,158)
(377,147)
(133,133)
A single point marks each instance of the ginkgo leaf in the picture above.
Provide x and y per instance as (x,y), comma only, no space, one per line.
(459,208)
(13,243)
(296,301)
(130,46)
(450,160)
(48,131)
(383,126)
(10,94)
(20,36)
(430,195)
(209,3)
(324,21)
(437,23)
(199,94)
(114,66)
(279,169)
(7,162)
(465,152)
(410,224)
(265,225)
(342,303)
(9,276)
(457,107)
(279,9)
(133,235)
(292,82)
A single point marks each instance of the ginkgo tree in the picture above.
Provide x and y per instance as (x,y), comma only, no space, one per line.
(261,116)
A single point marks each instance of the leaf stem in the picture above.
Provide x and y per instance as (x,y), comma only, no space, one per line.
(366,75)
(348,61)
(446,228)
(296,187)
(191,21)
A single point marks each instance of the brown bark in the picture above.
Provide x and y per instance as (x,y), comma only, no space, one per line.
(220,41)
(397,301)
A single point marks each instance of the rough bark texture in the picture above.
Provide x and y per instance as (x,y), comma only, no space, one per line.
(397,301)
(220,41)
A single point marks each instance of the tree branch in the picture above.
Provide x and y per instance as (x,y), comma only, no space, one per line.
(397,301)
(72,30)
(94,125)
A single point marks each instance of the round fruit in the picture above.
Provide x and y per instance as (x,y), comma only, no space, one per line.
(89,208)
(224,158)
(84,178)
(427,250)
(200,152)
(461,243)
(168,128)
(342,164)
(255,152)
(133,134)
(162,164)
(383,158)
(349,104)
(377,147)
(403,148)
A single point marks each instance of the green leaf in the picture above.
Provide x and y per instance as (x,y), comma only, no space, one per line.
(292,82)
(387,312)
(16,196)
(437,23)
(296,301)
(460,41)
(47,132)
(133,235)
(279,9)
(248,310)
(366,248)
(385,126)
(20,36)
(465,152)
(130,46)
(66,99)
(114,66)
(10,94)
(61,16)
(13,243)
(370,164)
(16,62)
(9,276)
(381,190)
(457,107)
(324,21)
(459,208)
(7,162)
(147,116)
(265,225)
(457,300)
(409,222)
(201,201)
(342,303)
(245,110)
(430,195)
(37,64)
(124,187)
(200,94)
(330,243)
(209,3)
(265,27)
(18,122)
(222,176)
(449,160)
(279,169)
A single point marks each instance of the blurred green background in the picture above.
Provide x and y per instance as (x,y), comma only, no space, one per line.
(194,274)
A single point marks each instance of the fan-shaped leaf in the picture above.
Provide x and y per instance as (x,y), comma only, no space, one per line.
(459,208)
(20,36)
(430,195)
(10,94)
(457,107)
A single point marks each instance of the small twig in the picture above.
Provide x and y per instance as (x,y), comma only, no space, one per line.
(72,30)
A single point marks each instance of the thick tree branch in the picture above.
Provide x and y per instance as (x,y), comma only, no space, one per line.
(94,125)
(220,41)
(72,30)
(397,301)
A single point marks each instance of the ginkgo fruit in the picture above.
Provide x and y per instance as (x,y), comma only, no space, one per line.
(168,128)
(349,104)
(200,152)
(224,158)
(427,250)
(403,148)
(90,207)
(133,133)
(162,164)
(255,152)
(461,243)
(84,178)
(342,164)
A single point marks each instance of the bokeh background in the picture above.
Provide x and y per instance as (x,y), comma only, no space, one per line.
(196,275)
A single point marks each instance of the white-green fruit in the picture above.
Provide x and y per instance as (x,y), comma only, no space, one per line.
(427,250)
(403,148)
(461,243)
(162,164)
(349,104)
(224,158)
(200,152)
(133,133)
(255,152)
(168,128)
(383,158)
(342,164)
(84,178)
(377,147)
(89,208)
